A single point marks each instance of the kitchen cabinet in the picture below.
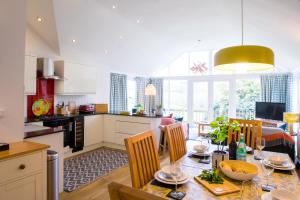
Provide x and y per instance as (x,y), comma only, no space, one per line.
(117,127)
(78,79)
(56,143)
(93,130)
(24,176)
(109,122)
(29,188)
(30,74)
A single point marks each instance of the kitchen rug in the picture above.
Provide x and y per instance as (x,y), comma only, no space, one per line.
(87,167)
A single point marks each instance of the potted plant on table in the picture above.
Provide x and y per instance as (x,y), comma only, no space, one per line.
(218,135)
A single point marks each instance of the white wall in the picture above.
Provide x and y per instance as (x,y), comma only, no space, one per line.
(36,46)
(12,50)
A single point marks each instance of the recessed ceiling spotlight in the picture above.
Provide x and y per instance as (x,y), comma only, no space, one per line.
(138,21)
(39,19)
(114,6)
(73,40)
(106,51)
(121,37)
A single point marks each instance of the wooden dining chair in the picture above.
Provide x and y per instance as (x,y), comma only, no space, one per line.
(121,192)
(176,141)
(143,158)
(251,129)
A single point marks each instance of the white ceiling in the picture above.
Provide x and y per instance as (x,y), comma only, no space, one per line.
(167,28)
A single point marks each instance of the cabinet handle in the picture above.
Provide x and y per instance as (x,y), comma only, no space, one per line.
(22,166)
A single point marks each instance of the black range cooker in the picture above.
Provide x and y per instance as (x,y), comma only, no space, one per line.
(73,129)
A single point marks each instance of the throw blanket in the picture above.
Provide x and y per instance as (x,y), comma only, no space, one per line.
(278,141)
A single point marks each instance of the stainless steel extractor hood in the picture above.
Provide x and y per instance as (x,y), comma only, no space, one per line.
(46,65)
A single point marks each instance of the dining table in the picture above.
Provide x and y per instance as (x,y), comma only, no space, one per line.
(249,190)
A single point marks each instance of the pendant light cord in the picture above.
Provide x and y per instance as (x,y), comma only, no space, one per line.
(242,20)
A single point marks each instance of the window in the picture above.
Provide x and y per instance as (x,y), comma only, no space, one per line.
(200,101)
(247,93)
(175,97)
(131,93)
(221,98)
(199,63)
(179,67)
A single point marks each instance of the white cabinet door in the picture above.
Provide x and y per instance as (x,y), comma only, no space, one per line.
(109,131)
(29,188)
(93,126)
(30,75)
(79,79)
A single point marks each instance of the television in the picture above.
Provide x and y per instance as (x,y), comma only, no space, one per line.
(268,110)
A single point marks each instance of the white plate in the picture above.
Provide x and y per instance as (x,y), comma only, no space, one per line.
(168,182)
(282,194)
(266,196)
(278,159)
(161,175)
(289,166)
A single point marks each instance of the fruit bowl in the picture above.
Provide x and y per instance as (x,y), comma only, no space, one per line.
(238,170)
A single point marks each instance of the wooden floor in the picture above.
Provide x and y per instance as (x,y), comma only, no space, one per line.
(97,190)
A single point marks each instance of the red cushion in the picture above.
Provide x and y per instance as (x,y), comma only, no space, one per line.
(167,121)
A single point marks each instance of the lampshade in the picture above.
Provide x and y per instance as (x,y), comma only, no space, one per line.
(244,58)
(290,117)
(150,90)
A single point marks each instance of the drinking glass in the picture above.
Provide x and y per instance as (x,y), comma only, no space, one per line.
(176,173)
(260,145)
(267,172)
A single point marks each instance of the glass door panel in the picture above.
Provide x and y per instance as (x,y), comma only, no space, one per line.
(221,98)
(200,101)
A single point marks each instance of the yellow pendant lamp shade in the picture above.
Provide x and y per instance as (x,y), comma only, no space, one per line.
(244,58)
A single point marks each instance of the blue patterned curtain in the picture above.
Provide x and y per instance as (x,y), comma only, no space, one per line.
(141,98)
(277,88)
(118,93)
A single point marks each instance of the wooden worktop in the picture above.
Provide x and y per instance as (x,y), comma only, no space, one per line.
(22,148)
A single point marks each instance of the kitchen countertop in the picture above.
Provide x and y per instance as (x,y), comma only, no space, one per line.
(42,132)
(28,120)
(21,148)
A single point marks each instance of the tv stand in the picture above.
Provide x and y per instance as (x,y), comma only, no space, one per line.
(270,122)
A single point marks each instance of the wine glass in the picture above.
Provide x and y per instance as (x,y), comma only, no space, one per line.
(176,173)
(267,172)
(260,145)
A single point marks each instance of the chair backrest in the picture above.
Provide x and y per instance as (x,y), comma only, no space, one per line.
(176,141)
(143,158)
(121,192)
(251,129)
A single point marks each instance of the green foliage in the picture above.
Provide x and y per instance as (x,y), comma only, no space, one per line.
(211,176)
(220,127)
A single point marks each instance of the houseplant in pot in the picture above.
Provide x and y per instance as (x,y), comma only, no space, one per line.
(218,135)
(159,110)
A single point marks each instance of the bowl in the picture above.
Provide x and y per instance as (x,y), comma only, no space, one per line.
(238,170)
(166,170)
(283,194)
(277,159)
(200,148)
